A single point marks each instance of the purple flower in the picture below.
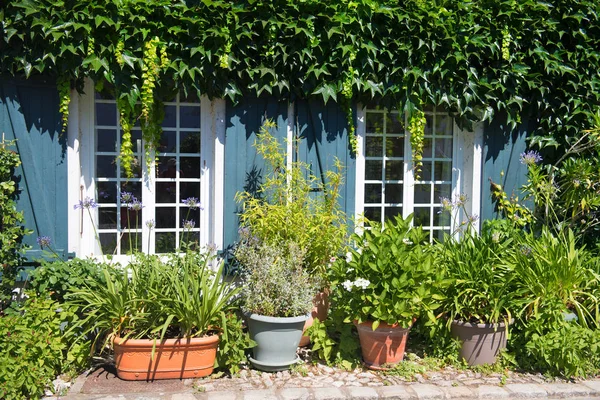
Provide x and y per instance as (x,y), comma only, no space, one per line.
(188,224)
(150,224)
(446,204)
(135,205)
(86,203)
(530,157)
(193,203)
(127,198)
(44,241)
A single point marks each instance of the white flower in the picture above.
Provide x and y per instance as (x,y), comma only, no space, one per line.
(406,241)
(332,259)
(349,270)
(348,256)
(348,285)
(362,283)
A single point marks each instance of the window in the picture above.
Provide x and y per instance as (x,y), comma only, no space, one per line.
(174,175)
(390,186)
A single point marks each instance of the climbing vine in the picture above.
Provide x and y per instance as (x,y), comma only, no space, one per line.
(416,127)
(347,94)
(63,84)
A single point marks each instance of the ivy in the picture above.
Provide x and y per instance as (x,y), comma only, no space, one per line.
(478,59)
(416,127)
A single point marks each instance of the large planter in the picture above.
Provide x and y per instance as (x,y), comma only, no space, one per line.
(481,343)
(383,346)
(276,340)
(320,310)
(173,358)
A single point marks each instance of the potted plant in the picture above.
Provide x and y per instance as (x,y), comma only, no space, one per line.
(277,296)
(481,299)
(163,318)
(293,204)
(387,282)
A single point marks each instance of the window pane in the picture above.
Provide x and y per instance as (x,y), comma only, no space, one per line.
(440,191)
(441,218)
(190,142)
(188,214)
(170,120)
(131,242)
(189,189)
(106,140)
(189,117)
(394,124)
(164,242)
(443,125)
(443,170)
(166,167)
(374,146)
(166,192)
(107,218)
(373,169)
(373,213)
(165,217)
(372,193)
(136,168)
(393,193)
(106,114)
(425,174)
(423,194)
(106,192)
(421,216)
(108,242)
(391,212)
(190,167)
(427,147)
(394,146)
(130,219)
(168,142)
(106,167)
(135,188)
(374,123)
(394,170)
(443,148)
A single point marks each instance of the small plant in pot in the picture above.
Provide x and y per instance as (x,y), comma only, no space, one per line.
(384,285)
(277,296)
(163,318)
(481,299)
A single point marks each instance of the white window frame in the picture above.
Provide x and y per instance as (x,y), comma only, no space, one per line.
(466,170)
(81,182)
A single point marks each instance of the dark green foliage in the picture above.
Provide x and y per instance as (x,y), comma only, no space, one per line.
(39,340)
(11,220)
(476,58)
(233,345)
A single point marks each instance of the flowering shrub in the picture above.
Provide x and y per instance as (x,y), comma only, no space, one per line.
(390,277)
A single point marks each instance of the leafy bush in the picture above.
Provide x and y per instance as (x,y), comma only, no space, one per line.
(234,344)
(390,277)
(38,341)
(274,281)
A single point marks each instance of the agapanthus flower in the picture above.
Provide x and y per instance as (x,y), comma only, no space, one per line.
(86,203)
(135,205)
(44,241)
(150,224)
(189,224)
(127,198)
(193,203)
(530,157)
(446,204)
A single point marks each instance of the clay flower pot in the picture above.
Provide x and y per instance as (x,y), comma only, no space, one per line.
(320,310)
(481,343)
(382,346)
(173,358)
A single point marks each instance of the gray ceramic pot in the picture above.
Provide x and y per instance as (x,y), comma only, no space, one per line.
(481,343)
(276,341)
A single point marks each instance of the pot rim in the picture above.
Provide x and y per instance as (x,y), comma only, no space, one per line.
(276,320)
(482,325)
(206,339)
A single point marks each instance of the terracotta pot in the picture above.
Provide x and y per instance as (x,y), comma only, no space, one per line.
(382,346)
(320,310)
(481,343)
(173,358)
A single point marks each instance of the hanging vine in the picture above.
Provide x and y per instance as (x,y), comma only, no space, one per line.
(63,85)
(152,112)
(126,154)
(346,102)
(416,127)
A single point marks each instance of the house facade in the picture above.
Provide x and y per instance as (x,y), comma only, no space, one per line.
(207,152)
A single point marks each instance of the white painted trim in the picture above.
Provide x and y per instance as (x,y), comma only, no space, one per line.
(408,192)
(88,244)
(458,156)
(207,156)
(219,173)
(476,183)
(359,190)
(290,140)
(74,174)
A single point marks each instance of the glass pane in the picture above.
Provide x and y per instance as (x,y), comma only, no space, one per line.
(189,117)
(108,242)
(135,188)
(106,114)
(190,216)
(443,125)
(428,125)
(443,148)
(394,146)
(394,170)
(427,147)
(165,217)
(441,218)
(423,194)
(131,219)
(106,167)
(164,242)
(168,142)
(106,140)
(170,120)
(190,167)
(131,242)
(374,146)
(166,192)
(373,213)
(373,169)
(391,212)
(421,216)
(393,123)
(107,218)
(443,170)
(372,193)
(440,191)
(166,167)
(189,189)
(393,193)
(106,192)
(374,123)
(440,235)
(189,237)
(425,174)
(136,168)
(190,142)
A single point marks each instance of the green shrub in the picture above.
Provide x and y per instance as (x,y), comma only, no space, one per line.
(38,341)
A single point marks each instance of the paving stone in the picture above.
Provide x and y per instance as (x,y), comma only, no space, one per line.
(225,395)
(260,395)
(565,390)
(328,393)
(491,392)
(294,394)
(396,392)
(362,393)
(459,392)
(594,385)
(426,391)
(183,396)
(525,390)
